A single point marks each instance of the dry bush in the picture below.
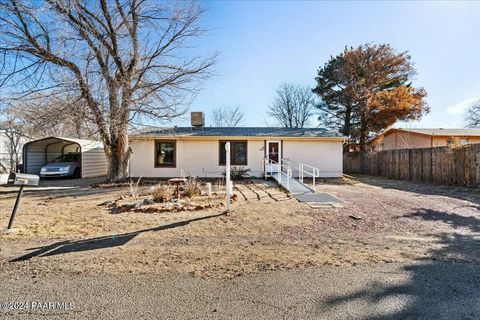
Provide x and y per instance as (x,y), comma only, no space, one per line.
(192,188)
(238,173)
(134,187)
(456,143)
(162,193)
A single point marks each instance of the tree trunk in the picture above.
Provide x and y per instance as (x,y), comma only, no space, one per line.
(363,144)
(347,127)
(118,155)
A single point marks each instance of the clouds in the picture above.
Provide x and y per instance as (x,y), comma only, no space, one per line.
(462,106)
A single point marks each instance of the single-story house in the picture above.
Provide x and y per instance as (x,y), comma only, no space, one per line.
(200,151)
(37,153)
(401,138)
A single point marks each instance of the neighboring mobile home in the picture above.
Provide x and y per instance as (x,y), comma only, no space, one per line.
(400,138)
(200,151)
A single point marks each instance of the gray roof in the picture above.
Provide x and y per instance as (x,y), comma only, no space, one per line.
(239,132)
(445,132)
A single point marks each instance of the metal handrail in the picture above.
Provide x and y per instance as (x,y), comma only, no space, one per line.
(285,165)
(280,166)
(315,172)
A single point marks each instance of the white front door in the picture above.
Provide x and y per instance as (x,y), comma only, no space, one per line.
(274,156)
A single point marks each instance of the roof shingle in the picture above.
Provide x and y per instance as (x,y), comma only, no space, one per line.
(445,132)
(239,132)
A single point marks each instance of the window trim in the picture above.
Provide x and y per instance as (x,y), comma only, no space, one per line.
(155,164)
(232,158)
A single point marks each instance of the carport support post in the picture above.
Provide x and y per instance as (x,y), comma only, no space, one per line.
(14,212)
(227,173)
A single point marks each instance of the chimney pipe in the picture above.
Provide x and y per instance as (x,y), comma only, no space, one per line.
(197,120)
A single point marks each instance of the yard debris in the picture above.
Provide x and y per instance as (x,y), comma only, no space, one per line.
(106,203)
(355,217)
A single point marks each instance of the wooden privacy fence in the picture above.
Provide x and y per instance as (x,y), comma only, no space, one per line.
(443,165)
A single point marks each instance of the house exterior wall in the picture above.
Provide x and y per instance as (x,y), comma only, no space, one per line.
(327,156)
(4,155)
(443,141)
(200,157)
(195,157)
(411,140)
(405,140)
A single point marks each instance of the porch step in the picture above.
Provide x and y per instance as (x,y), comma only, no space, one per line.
(295,187)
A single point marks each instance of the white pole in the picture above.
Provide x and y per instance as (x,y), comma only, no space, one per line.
(227,173)
(209,188)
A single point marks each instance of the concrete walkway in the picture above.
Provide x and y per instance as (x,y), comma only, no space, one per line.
(426,290)
(294,186)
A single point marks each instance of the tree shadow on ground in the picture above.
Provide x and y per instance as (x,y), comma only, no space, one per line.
(116,240)
(58,193)
(443,285)
(464,193)
(456,221)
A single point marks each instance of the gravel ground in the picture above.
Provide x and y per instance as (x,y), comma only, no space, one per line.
(66,230)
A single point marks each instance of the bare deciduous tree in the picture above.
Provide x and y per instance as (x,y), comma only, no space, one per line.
(13,138)
(126,60)
(293,106)
(49,116)
(472,115)
(227,117)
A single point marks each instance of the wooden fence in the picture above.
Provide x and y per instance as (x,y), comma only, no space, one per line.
(443,165)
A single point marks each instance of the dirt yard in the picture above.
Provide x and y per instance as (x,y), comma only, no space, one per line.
(69,229)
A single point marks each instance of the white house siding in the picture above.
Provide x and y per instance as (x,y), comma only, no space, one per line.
(198,158)
(326,155)
(4,155)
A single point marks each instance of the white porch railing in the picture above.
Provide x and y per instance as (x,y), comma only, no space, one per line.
(285,166)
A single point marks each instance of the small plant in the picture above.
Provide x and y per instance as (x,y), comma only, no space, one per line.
(238,173)
(134,187)
(162,193)
(192,188)
(219,184)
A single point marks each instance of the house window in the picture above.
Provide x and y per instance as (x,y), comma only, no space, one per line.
(165,153)
(238,153)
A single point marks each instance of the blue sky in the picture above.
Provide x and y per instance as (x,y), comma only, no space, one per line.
(263,44)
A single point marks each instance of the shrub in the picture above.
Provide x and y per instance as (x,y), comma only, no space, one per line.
(238,173)
(134,187)
(192,188)
(162,193)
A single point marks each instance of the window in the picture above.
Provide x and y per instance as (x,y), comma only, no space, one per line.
(165,151)
(238,153)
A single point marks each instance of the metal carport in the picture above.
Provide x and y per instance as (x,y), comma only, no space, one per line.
(39,152)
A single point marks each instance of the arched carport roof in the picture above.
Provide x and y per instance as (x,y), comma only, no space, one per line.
(83,143)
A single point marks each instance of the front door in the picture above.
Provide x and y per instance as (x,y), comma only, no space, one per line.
(274,155)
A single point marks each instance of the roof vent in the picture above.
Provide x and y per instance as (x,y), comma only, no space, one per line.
(197,120)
